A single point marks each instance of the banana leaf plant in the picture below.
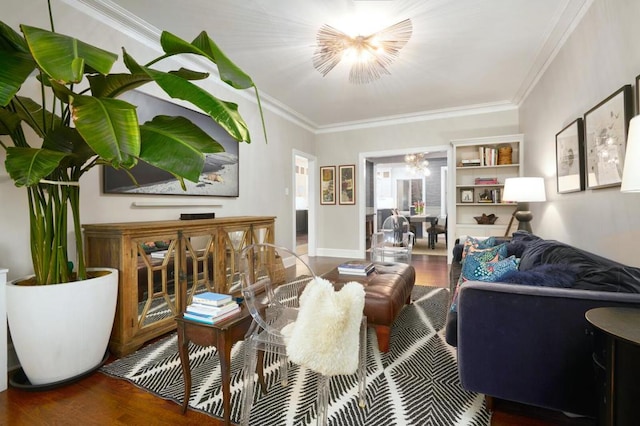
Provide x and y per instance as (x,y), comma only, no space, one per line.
(80,123)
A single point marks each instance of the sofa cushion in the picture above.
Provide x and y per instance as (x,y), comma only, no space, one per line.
(543,276)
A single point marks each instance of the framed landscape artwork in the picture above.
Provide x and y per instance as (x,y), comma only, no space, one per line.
(605,127)
(328,185)
(569,158)
(347,175)
(220,174)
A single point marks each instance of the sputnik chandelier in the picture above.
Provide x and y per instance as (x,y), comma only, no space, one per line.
(417,164)
(370,55)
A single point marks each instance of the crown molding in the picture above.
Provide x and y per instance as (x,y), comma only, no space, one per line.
(419,116)
(565,24)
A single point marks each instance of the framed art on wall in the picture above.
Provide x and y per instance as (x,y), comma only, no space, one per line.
(328,185)
(347,175)
(569,158)
(219,176)
(605,130)
(466,195)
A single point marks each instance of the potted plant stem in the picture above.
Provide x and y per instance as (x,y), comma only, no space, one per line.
(78,123)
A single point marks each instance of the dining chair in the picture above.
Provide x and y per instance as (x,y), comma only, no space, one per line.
(394,241)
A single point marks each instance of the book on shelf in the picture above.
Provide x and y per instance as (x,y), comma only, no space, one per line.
(211,310)
(486,181)
(211,298)
(210,319)
(471,162)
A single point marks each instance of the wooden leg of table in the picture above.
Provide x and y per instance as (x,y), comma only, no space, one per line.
(183,349)
(383,333)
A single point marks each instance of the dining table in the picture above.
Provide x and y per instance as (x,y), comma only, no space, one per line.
(418,220)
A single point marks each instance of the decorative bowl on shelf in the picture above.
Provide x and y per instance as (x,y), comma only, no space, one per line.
(486,219)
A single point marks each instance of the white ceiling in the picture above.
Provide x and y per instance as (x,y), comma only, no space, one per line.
(463,54)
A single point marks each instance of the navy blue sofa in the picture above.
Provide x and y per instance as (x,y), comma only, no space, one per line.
(531,343)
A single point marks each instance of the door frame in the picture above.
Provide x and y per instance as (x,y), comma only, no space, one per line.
(313,196)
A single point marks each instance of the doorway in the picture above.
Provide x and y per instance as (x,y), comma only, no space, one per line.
(395,184)
(304,212)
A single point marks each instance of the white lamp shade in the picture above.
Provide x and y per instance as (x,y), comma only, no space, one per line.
(524,189)
(631,171)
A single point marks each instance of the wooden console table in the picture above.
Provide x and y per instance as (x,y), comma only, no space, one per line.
(152,291)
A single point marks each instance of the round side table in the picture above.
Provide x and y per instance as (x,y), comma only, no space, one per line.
(617,363)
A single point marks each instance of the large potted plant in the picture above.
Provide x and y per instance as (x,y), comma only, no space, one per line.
(76,124)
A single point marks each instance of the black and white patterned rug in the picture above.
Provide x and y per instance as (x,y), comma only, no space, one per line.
(415,383)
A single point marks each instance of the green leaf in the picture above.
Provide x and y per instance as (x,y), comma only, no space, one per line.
(203,45)
(17,63)
(27,166)
(224,113)
(31,113)
(11,40)
(9,121)
(176,145)
(110,128)
(16,68)
(190,74)
(113,85)
(63,57)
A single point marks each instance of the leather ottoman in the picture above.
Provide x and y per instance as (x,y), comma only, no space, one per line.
(387,289)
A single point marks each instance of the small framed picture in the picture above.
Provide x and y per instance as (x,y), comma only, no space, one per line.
(466,195)
(328,185)
(569,158)
(347,186)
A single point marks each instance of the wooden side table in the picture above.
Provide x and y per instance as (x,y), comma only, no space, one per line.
(222,335)
(617,356)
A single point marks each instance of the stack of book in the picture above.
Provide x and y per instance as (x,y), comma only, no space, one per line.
(486,181)
(356,267)
(210,308)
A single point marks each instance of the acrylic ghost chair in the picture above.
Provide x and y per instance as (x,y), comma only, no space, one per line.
(275,308)
(394,241)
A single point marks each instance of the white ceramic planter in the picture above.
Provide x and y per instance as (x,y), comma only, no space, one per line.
(3,330)
(61,331)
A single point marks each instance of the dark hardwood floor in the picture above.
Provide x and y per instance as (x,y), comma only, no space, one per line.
(102,400)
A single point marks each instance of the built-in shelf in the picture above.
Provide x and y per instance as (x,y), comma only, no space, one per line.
(464,178)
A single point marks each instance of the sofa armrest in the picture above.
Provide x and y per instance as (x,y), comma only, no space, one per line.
(531,344)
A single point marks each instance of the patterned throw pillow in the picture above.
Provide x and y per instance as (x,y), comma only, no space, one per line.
(475,269)
(476,255)
(478,244)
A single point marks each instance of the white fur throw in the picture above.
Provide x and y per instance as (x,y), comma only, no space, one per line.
(326,336)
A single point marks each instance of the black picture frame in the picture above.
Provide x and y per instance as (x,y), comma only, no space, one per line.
(221,173)
(570,174)
(466,195)
(605,133)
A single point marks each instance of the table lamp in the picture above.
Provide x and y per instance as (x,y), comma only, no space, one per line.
(523,190)
(631,173)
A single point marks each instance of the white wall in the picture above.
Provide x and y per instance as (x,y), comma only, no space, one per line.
(341,228)
(600,56)
(265,169)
